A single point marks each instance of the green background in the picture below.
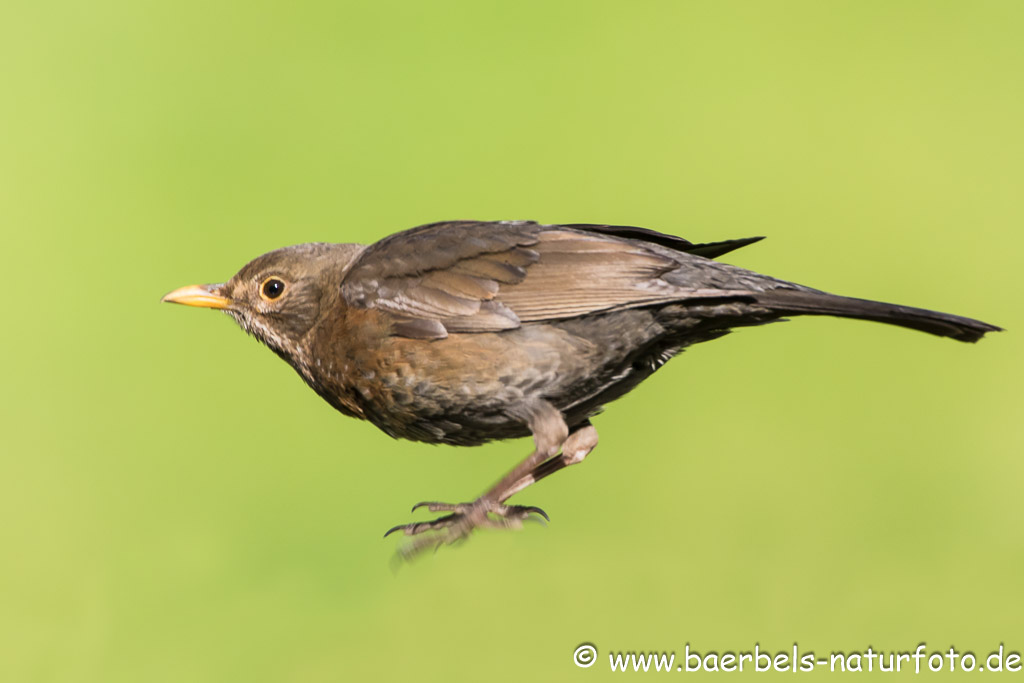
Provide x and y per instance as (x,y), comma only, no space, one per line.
(175,505)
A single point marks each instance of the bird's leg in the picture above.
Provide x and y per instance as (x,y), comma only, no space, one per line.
(581,441)
(549,434)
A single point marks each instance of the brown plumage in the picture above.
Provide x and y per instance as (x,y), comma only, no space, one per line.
(464,332)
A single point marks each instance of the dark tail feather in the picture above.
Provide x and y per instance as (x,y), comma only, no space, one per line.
(716,249)
(710,250)
(789,302)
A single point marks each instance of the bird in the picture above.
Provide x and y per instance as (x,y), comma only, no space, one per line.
(465,332)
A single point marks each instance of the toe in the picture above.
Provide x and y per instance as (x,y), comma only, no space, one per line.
(414,528)
(435,506)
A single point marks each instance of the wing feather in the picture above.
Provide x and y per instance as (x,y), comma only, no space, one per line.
(468,277)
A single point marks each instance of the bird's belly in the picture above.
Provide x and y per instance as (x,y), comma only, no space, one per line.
(465,389)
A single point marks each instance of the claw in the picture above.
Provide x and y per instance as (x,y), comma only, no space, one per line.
(460,523)
(533,510)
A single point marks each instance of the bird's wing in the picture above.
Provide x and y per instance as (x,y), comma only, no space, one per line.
(469,276)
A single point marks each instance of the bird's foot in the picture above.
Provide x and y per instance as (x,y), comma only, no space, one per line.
(460,523)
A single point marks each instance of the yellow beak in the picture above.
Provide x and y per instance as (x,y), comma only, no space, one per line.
(203,296)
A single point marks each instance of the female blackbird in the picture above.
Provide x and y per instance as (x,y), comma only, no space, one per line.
(463,332)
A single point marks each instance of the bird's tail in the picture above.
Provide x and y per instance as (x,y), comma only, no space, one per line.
(793,302)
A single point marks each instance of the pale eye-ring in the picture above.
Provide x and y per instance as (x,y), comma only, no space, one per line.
(272,288)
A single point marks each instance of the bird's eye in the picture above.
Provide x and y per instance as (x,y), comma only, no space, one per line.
(272,288)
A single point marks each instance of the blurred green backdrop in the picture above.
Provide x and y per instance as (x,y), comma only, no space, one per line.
(177,506)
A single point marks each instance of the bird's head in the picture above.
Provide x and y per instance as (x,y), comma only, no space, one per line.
(277,297)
